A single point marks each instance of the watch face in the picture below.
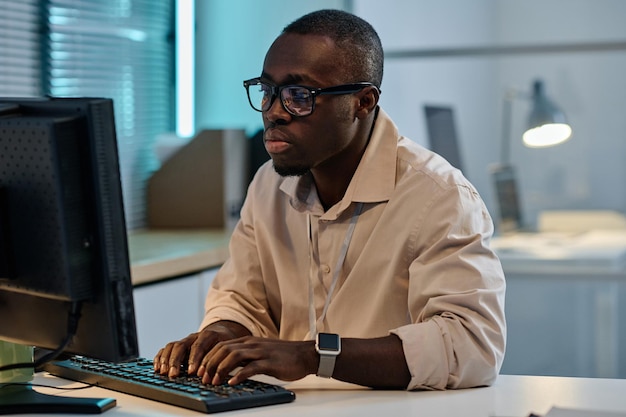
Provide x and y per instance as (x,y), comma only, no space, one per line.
(328,341)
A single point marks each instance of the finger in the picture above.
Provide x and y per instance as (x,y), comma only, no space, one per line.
(209,363)
(248,371)
(175,354)
(198,350)
(205,341)
(156,362)
(162,359)
(178,355)
(227,357)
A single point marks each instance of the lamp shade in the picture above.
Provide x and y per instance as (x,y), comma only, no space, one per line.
(547,125)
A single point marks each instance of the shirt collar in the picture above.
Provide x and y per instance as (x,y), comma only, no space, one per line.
(372,182)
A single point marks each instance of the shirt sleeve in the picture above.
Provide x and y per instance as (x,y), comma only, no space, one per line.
(238,292)
(456,297)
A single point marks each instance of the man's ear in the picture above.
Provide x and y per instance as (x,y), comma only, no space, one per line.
(368,100)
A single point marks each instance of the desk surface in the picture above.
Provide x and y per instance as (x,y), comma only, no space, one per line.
(595,251)
(161,254)
(510,396)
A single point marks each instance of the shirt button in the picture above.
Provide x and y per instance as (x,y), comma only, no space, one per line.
(325,268)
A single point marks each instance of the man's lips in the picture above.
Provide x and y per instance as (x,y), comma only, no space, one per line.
(276,146)
(275,143)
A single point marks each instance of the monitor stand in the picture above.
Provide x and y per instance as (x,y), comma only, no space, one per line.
(23,399)
(17,395)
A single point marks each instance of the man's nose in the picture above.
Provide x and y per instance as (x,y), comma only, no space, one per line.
(277,112)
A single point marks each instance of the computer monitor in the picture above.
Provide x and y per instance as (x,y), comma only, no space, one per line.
(442,135)
(64,264)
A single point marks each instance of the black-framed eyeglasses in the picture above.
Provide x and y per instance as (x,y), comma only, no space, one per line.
(297,100)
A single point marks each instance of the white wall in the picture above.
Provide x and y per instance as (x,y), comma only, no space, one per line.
(464,83)
(588,172)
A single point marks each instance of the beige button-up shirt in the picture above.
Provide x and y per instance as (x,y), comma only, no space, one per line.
(418,263)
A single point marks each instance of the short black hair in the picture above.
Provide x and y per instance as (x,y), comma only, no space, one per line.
(356,37)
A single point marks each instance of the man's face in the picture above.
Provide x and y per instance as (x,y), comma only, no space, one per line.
(299,144)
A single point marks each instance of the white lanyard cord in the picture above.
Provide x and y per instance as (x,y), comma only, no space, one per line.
(340,260)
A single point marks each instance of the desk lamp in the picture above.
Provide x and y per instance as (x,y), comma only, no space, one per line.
(547,126)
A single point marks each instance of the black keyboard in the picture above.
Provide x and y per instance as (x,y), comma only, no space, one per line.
(138,378)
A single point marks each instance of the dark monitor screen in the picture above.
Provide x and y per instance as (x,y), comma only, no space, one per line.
(507,198)
(442,135)
(63,244)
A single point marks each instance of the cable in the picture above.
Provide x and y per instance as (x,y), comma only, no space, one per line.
(28,384)
(72,324)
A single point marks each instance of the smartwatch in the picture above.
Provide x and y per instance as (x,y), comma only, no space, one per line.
(328,345)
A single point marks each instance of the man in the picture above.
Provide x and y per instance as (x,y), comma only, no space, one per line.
(351,234)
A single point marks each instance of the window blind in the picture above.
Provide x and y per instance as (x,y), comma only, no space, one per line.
(121,49)
(20,53)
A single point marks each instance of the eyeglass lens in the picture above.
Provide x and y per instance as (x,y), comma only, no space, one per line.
(296,100)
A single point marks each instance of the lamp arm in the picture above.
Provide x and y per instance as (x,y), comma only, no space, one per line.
(505,145)
(507,126)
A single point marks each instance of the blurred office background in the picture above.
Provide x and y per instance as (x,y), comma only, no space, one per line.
(178,65)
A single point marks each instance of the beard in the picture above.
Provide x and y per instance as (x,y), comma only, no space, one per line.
(291,171)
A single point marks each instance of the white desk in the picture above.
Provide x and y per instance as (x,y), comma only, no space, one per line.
(511,396)
(563,295)
(598,252)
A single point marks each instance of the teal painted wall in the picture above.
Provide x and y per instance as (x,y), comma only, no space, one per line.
(232,39)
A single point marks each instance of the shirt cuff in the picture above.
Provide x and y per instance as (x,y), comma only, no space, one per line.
(425,354)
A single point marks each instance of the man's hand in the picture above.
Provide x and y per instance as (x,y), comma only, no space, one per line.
(193,348)
(285,360)
(227,348)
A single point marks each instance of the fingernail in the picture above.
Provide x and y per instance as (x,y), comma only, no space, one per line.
(206,379)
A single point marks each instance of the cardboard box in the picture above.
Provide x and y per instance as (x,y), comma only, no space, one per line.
(203,184)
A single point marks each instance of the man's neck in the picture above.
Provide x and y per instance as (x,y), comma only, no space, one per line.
(332,179)
(329,191)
